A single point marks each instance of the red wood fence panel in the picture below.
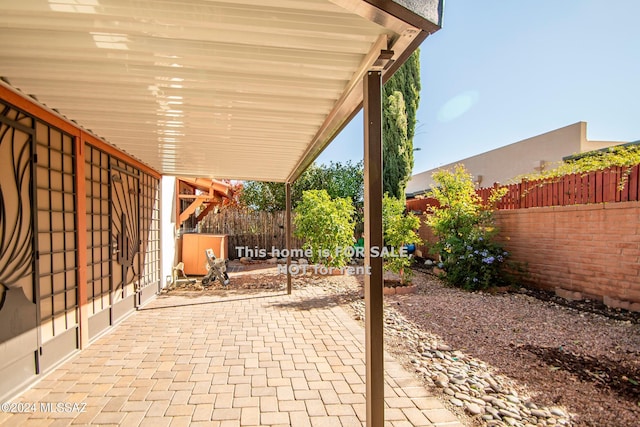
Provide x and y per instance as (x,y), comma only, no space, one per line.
(624,193)
(633,183)
(606,193)
(592,188)
(615,184)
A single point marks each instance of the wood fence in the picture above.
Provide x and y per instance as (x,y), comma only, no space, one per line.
(265,230)
(254,230)
(422,205)
(615,184)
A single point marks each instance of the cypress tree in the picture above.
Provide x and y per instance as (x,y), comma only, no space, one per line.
(401,95)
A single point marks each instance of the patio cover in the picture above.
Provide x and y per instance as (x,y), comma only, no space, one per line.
(238,89)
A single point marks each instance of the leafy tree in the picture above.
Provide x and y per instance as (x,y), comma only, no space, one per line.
(235,202)
(401,96)
(399,230)
(465,230)
(326,225)
(341,180)
(264,196)
(344,180)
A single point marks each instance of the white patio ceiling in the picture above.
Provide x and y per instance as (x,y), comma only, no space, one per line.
(242,89)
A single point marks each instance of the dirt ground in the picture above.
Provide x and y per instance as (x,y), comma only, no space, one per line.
(586,362)
(581,356)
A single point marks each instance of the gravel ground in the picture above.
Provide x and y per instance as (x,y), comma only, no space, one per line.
(497,359)
(582,361)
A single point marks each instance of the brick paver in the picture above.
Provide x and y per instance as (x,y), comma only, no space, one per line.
(234,359)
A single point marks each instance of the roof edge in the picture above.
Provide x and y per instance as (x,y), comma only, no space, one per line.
(423,14)
(414,13)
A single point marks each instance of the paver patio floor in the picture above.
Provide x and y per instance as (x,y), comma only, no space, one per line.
(243,358)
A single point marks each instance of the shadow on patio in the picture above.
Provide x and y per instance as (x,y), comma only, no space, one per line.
(229,360)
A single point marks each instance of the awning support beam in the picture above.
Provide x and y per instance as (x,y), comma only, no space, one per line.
(288,235)
(373,281)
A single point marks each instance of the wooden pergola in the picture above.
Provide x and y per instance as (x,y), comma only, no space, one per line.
(211,194)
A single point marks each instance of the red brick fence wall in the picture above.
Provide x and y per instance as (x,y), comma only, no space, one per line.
(582,251)
(589,250)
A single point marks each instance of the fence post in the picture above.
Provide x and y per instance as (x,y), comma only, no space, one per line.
(288,234)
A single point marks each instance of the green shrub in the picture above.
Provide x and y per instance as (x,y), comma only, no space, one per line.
(326,225)
(469,255)
(399,230)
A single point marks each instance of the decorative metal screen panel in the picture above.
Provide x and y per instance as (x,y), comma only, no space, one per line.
(123,229)
(19,331)
(16,214)
(56,219)
(98,229)
(150,230)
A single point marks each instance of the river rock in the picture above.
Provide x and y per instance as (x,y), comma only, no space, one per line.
(557,412)
(468,383)
(511,414)
(513,399)
(538,413)
(441,380)
(510,421)
(494,385)
(499,403)
(456,402)
(463,396)
(473,409)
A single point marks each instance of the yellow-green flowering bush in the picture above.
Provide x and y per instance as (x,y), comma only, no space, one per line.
(327,227)
(469,255)
(399,230)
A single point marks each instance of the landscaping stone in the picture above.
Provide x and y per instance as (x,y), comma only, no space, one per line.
(441,380)
(513,399)
(456,402)
(557,412)
(388,291)
(466,382)
(404,290)
(539,413)
(473,409)
(511,414)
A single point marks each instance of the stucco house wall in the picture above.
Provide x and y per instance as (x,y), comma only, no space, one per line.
(522,157)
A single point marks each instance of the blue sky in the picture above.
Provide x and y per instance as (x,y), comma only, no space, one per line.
(502,71)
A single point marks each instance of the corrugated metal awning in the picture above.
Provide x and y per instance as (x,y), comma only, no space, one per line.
(242,89)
